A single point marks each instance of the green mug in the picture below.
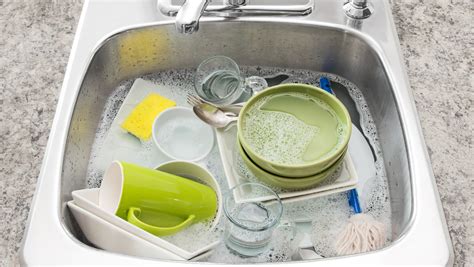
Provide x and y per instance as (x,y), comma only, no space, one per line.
(157,202)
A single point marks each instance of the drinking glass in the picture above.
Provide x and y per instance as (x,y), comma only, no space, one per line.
(218,80)
(250,220)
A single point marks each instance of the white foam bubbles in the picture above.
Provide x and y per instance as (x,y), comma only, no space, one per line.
(276,136)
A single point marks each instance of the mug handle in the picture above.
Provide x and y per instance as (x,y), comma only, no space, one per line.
(157,230)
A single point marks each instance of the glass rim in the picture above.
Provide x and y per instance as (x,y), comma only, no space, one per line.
(217,57)
(232,97)
(267,226)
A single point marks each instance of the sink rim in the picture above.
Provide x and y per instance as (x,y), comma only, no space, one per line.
(370,41)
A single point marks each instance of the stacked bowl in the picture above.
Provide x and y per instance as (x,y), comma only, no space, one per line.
(293,136)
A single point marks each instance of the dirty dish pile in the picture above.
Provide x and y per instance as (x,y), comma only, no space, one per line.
(138,205)
(220,161)
(291,137)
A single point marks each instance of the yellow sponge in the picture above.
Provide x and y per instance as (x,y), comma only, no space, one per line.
(140,121)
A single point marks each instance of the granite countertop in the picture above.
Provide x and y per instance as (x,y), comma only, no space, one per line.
(437,44)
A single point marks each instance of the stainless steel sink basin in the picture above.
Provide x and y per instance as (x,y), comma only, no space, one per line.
(364,52)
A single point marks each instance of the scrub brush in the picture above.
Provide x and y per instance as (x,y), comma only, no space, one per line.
(363,233)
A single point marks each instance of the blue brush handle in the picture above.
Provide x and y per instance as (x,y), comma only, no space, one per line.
(354,200)
(352,195)
(325,84)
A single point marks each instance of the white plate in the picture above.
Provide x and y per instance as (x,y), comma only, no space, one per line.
(122,146)
(227,147)
(88,199)
(109,237)
(363,159)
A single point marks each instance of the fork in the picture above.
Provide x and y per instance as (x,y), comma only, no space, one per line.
(193,100)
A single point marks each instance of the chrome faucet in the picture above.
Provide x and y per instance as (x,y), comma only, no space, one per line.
(187,19)
(188,15)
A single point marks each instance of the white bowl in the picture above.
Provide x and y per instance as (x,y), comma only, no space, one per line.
(181,135)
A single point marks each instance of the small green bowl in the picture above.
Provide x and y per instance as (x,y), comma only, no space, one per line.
(285,182)
(298,170)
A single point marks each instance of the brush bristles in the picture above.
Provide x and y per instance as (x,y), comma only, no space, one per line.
(362,234)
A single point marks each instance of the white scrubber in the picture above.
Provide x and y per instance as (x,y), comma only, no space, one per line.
(362,234)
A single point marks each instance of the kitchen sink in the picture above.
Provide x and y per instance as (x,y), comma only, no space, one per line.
(129,39)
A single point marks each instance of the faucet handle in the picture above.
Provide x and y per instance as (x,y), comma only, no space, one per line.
(358,9)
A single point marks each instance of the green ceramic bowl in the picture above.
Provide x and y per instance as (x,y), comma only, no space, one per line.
(311,167)
(285,182)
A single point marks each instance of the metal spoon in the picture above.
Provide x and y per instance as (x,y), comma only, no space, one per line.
(214,116)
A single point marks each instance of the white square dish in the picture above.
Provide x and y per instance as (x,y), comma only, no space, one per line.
(88,200)
(226,140)
(112,238)
(120,145)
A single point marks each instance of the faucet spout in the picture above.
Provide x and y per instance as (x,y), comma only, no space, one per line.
(187,19)
(188,14)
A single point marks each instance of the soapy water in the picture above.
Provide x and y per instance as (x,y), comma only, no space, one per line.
(176,137)
(283,138)
(261,133)
(329,214)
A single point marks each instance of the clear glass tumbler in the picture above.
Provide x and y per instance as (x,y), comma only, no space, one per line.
(250,220)
(218,80)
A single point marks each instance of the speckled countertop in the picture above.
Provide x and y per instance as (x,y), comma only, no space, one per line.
(437,43)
